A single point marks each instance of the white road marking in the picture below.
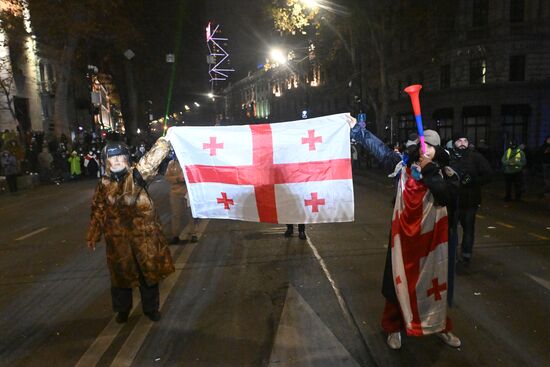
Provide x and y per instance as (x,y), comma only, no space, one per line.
(104,340)
(544,238)
(132,345)
(341,301)
(303,339)
(31,234)
(505,225)
(545,283)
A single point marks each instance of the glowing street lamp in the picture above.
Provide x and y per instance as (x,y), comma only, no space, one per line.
(196,104)
(186,107)
(311,4)
(278,56)
(210,95)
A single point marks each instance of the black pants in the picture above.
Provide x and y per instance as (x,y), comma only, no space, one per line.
(516,180)
(122,297)
(301,227)
(467,219)
(12,182)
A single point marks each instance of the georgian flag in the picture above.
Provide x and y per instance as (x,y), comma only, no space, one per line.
(290,172)
(419,257)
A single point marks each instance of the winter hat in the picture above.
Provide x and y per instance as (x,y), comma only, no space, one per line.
(413,140)
(432,137)
(459,135)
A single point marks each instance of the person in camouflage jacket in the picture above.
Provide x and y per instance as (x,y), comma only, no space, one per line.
(123,212)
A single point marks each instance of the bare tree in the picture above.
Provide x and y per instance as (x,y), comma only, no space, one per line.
(6,86)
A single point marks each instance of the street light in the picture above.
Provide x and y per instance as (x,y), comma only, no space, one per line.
(311,4)
(196,104)
(210,95)
(278,56)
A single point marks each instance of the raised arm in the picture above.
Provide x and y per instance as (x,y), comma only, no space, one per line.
(381,152)
(147,167)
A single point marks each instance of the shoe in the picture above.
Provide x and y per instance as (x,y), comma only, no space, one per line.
(465,261)
(289,232)
(302,235)
(449,338)
(122,317)
(194,238)
(153,316)
(175,240)
(394,340)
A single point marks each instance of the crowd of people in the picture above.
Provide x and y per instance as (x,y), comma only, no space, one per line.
(55,160)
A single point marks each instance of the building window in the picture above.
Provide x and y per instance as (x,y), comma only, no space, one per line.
(406,125)
(478,71)
(517,11)
(480,13)
(443,119)
(515,119)
(476,122)
(445,76)
(517,68)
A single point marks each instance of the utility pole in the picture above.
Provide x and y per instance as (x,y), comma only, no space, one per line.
(132,122)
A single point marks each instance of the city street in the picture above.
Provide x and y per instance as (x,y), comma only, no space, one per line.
(244,295)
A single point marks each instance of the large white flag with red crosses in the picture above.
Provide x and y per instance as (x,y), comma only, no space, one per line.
(289,172)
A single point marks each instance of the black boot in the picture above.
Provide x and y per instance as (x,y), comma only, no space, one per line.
(302,235)
(122,317)
(289,230)
(153,316)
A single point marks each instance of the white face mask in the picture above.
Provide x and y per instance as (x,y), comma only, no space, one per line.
(117,163)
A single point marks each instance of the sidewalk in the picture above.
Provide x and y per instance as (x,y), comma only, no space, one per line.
(24,182)
(492,192)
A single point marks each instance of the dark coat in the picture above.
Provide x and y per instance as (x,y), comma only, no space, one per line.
(474,171)
(122,211)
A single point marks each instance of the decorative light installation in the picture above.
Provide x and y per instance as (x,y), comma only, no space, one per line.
(217,55)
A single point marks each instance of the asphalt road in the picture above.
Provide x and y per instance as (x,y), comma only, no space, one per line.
(246,296)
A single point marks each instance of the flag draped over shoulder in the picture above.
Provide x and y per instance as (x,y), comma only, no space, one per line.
(419,252)
(290,172)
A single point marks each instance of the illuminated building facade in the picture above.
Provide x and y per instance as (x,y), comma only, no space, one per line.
(26,76)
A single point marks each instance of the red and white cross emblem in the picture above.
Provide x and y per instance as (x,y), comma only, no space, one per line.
(212,145)
(314,202)
(312,139)
(437,289)
(225,201)
(263,174)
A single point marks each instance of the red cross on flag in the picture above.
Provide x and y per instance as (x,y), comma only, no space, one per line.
(419,255)
(289,172)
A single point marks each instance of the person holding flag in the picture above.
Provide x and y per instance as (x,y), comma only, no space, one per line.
(415,283)
(123,212)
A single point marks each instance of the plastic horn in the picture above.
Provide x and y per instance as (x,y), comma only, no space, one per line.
(413,91)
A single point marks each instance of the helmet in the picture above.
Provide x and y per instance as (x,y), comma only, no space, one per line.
(114,148)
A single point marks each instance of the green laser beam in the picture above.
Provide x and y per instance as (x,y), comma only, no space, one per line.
(174,66)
